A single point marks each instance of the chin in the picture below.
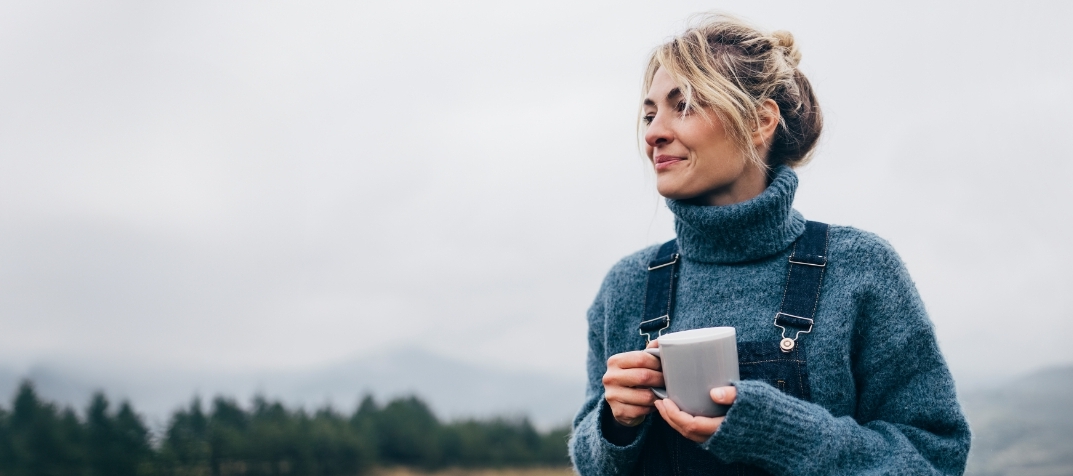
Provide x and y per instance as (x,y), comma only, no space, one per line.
(674,189)
(675,193)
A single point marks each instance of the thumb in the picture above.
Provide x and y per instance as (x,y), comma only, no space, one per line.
(724,395)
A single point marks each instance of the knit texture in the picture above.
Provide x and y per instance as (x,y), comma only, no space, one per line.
(883,400)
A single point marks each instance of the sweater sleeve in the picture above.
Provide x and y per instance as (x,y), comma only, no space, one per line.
(907,419)
(591,448)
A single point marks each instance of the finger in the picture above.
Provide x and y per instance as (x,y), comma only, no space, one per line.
(630,422)
(724,395)
(674,417)
(634,359)
(662,409)
(695,428)
(631,396)
(652,343)
(666,413)
(633,377)
(629,415)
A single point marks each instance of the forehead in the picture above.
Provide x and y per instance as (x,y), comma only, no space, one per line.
(662,89)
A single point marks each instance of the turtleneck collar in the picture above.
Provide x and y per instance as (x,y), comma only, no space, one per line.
(746,231)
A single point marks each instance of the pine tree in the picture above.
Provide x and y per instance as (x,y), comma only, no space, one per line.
(116,444)
(43,442)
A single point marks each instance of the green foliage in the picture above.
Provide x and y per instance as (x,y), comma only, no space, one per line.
(408,433)
(115,443)
(38,438)
(42,439)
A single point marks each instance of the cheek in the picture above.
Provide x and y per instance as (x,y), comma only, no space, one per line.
(704,138)
(716,153)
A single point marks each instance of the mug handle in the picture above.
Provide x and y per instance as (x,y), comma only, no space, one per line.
(659,391)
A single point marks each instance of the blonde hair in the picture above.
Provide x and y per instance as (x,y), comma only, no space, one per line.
(732,68)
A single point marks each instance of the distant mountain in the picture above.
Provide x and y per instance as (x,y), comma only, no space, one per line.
(454,389)
(1023,428)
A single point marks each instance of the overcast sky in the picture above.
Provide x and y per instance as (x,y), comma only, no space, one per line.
(230,186)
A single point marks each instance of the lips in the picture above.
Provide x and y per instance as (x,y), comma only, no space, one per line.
(665,161)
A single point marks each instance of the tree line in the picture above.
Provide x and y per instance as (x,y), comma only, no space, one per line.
(38,437)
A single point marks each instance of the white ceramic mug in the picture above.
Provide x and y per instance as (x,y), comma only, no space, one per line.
(694,362)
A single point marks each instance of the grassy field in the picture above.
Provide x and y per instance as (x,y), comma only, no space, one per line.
(477,472)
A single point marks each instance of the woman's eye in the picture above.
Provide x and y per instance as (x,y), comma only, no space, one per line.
(648,118)
(682,108)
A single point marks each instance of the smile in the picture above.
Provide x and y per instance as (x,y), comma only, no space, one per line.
(665,161)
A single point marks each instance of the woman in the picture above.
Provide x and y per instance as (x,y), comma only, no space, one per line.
(846,379)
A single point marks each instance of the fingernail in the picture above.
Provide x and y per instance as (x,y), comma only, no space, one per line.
(720,393)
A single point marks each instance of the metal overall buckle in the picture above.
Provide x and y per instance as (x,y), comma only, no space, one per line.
(649,327)
(787,344)
(666,320)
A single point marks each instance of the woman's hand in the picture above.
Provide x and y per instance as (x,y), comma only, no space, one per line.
(626,385)
(695,428)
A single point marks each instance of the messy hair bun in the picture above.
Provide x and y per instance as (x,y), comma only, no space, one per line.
(785,40)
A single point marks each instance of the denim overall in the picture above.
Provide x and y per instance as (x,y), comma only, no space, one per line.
(780,363)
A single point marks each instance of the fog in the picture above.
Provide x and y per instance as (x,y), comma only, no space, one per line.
(259,186)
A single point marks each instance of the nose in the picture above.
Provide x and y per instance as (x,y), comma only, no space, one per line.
(658,131)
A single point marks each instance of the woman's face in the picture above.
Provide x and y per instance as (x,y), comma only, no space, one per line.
(691,153)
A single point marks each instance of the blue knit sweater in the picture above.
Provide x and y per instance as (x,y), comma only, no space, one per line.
(883,400)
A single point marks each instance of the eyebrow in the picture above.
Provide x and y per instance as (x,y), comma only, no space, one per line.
(670,96)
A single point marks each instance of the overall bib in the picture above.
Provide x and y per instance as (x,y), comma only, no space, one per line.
(780,363)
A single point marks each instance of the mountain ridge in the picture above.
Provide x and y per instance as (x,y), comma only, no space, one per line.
(453,388)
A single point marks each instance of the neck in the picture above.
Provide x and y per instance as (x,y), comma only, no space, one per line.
(751,183)
(744,231)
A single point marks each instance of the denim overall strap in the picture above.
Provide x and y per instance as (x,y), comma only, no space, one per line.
(659,291)
(801,296)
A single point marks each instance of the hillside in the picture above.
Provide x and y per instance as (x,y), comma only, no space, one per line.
(1024,428)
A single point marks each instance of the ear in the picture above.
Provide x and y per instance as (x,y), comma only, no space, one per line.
(768,120)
